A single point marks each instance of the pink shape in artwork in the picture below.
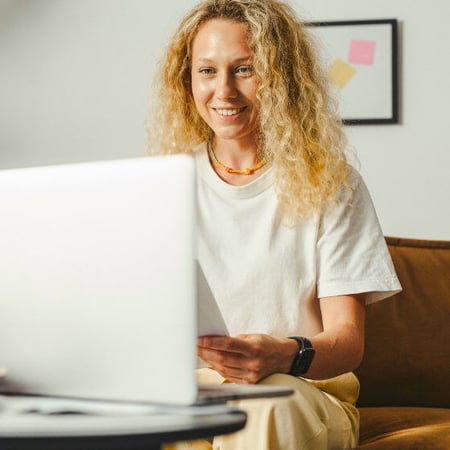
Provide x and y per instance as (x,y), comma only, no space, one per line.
(361,52)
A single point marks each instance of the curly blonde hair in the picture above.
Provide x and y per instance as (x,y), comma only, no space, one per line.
(300,132)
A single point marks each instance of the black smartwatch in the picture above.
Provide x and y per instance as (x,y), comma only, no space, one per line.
(304,357)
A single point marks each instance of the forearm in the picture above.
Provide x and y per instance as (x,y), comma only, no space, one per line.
(251,357)
(337,352)
(340,346)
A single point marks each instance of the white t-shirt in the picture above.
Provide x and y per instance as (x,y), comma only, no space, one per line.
(267,276)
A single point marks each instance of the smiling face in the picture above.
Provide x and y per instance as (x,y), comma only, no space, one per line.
(223,83)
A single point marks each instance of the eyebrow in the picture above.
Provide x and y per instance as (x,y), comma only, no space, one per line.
(236,61)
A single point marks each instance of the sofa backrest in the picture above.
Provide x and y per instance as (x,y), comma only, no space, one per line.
(407,354)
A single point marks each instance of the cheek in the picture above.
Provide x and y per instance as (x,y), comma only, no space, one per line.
(252,93)
(200,101)
(201,90)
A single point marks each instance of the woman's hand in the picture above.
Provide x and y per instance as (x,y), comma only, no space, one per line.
(247,358)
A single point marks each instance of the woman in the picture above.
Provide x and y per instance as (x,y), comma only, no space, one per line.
(288,238)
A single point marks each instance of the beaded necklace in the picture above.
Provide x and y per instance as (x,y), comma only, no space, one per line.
(247,171)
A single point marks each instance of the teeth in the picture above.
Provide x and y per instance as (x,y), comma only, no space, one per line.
(229,112)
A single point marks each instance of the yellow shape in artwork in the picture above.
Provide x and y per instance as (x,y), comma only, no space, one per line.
(340,73)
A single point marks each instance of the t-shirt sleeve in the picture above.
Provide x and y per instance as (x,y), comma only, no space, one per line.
(352,253)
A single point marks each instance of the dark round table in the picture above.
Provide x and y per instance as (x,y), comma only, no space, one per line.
(88,432)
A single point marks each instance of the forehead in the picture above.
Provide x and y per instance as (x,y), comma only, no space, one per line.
(220,37)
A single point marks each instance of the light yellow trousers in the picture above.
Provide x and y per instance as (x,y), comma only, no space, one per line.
(319,415)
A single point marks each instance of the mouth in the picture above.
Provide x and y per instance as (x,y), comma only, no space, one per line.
(229,112)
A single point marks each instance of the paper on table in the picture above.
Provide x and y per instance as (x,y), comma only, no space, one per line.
(210,320)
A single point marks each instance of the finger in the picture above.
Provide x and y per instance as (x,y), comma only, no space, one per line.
(237,380)
(238,375)
(232,367)
(241,376)
(225,344)
(221,359)
(234,375)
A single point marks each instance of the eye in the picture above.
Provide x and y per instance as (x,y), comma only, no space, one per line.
(245,70)
(207,71)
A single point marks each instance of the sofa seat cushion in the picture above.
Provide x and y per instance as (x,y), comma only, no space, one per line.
(404,428)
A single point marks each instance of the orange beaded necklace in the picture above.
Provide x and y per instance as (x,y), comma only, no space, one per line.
(247,171)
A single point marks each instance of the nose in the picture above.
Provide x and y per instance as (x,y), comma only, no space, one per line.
(225,87)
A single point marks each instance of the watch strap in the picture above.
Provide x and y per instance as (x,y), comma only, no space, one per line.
(304,357)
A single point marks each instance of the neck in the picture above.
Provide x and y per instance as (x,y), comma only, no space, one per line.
(235,170)
(238,155)
(239,174)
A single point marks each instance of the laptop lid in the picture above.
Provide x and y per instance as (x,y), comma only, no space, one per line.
(97,286)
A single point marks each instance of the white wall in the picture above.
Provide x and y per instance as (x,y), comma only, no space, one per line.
(407,166)
(74,77)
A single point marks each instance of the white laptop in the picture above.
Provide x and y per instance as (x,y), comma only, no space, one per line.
(98,284)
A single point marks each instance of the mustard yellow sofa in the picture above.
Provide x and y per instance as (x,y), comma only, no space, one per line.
(405,374)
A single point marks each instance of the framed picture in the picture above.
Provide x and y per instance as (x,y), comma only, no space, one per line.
(361,60)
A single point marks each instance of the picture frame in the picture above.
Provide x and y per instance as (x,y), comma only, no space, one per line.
(361,60)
